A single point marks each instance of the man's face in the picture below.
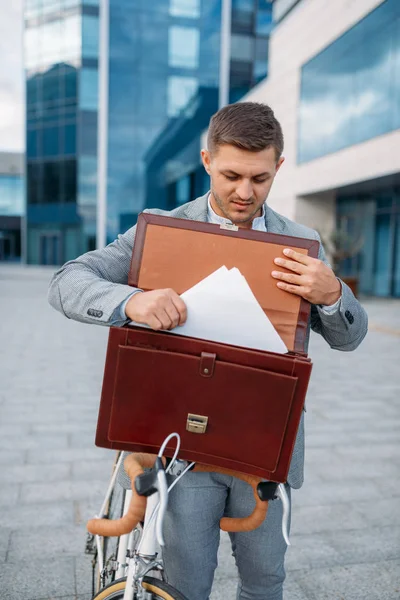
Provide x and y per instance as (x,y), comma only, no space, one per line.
(240,181)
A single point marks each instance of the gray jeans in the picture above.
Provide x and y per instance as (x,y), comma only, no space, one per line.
(191,529)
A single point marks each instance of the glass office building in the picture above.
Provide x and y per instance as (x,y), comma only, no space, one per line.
(12,205)
(350,93)
(164,78)
(61,39)
(163,88)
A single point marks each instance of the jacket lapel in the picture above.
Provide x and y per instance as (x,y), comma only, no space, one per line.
(197,211)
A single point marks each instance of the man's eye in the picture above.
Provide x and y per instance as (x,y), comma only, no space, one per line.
(261,180)
(231,177)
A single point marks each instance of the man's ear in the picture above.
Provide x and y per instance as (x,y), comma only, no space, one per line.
(279,164)
(206,158)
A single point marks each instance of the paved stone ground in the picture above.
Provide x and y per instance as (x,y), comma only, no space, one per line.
(346,519)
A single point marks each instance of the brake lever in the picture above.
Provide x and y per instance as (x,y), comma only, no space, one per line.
(163,494)
(282,494)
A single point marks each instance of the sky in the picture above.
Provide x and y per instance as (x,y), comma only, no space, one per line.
(12,94)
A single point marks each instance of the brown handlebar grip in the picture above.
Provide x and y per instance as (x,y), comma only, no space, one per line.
(256,518)
(134,465)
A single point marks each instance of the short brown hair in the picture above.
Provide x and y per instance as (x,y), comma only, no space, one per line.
(247,125)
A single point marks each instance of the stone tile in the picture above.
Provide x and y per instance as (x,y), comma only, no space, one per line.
(34,473)
(82,440)
(70,455)
(38,579)
(9,494)
(39,514)
(328,517)
(83,574)
(52,541)
(12,457)
(359,546)
(93,469)
(372,581)
(5,535)
(311,551)
(62,490)
(44,441)
(330,492)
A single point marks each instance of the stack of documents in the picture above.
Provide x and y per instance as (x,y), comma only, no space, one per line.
(222,308)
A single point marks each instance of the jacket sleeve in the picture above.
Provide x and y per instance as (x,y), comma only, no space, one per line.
(345,328)
(92,287)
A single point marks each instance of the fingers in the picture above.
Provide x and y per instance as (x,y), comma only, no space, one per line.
(288,277)
(162,309)
(296,267)
(180,307)
(293,289)
(298,256)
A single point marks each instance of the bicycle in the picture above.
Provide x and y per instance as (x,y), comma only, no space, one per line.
(129,566)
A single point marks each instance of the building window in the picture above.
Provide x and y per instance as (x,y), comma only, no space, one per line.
(349,92)
(242,47)
(51,182)
(184,8)
(88,97)
(180,91)
(184,47)
(90,36)
(11,195)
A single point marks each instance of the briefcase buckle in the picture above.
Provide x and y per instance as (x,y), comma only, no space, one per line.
(196,423)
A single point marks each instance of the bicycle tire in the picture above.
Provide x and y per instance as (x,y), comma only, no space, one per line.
(159,589)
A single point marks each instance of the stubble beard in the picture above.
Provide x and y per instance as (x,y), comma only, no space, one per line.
(227,216)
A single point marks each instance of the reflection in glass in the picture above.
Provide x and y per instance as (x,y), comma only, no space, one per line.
(183,47)
(242,47)
(184,8)
(90,33)
(88,97)
(51,182)
(349,92)
(180,91)
(11,195)
(70,180)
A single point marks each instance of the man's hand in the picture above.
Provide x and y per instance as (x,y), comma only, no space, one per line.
(159,309)
(311,279)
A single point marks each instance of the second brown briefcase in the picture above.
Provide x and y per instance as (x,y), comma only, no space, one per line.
(233,407)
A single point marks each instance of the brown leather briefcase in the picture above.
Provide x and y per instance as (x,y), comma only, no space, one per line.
(233,407)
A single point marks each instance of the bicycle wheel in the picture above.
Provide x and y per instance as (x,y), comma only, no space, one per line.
(158,589)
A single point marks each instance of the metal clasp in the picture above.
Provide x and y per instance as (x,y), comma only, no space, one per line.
(196,423)
(229,226)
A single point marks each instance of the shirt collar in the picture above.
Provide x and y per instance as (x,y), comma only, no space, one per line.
(258,222)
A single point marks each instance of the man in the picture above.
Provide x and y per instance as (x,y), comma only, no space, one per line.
(245,145)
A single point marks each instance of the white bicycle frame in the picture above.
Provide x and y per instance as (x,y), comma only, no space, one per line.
(132,562)
(135,563)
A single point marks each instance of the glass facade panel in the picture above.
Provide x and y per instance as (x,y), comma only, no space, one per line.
(184,8)
(350,92)
(11,195)
(89,89)
(180,91)
(242,47)
(183,47)
(164,77)
(373,219)
(90,39)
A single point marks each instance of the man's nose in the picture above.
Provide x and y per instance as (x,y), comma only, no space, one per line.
(245,190)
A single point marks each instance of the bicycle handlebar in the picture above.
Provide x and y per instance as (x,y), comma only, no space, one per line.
(136,463)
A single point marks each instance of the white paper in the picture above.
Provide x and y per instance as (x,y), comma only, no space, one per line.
(222,308)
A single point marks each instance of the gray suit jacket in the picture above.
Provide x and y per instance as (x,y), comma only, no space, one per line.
(92,287)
